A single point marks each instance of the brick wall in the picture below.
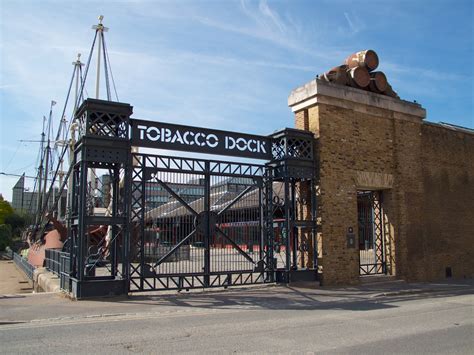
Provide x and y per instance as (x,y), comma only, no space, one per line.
(349,142)
(448,209)
(425,172)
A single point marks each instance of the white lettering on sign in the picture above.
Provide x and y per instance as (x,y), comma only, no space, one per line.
(212,140)
(201,139)
(251,145)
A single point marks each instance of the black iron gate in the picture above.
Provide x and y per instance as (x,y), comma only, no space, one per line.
(197,223)
(371,233)
(182,223)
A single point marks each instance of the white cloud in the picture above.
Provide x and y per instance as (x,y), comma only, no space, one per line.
(354,22)
(272,15)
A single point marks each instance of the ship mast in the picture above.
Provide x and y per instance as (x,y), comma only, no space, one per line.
(39,197)
(100,29)
(73,127)
(78,72)
(61,141)
(66,179)
(48,153)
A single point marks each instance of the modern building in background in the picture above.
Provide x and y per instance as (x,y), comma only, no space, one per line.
(23,200)
(156,195)
(26,201)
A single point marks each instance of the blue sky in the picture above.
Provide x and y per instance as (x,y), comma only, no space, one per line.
(224,64)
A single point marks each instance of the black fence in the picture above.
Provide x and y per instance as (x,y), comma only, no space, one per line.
(57,262)
(24,265)
(52,260)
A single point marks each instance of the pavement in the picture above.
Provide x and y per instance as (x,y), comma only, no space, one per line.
(12,280)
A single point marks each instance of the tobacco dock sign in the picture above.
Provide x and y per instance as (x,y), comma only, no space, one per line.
(169,136)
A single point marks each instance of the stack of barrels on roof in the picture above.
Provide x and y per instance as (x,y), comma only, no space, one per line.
(358,71)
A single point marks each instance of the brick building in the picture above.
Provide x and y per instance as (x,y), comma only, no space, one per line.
(412,181)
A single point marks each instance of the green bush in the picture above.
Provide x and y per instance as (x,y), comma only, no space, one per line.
(5,209)
(5,236)
(17,223)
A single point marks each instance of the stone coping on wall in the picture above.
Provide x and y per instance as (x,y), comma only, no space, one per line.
(318,91)
(451,127)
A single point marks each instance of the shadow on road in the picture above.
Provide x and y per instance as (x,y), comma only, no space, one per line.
(300,298)
(262,298)
(11,296)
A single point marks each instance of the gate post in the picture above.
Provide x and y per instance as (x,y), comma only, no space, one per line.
(100,241)
(207,227)
(293,163)
(268,233)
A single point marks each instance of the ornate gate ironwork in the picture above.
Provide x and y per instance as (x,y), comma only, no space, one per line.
(182,223)
(198,223)
(371,233)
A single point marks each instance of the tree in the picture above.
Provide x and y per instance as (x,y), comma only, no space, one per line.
(11,223)
(5,236)
(5,209)
(16,222)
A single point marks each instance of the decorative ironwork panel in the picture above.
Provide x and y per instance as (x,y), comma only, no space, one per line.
(104,119)
(371,233)
(191,165)
(292,144)
(199,223)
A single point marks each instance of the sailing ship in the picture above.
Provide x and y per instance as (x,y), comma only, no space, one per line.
(53,183)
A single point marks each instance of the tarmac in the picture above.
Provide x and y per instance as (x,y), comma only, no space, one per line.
(19,306)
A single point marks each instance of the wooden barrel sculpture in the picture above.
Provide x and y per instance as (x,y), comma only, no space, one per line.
(359,77)
(358,72)
(367,59)
(389,92)
(336,75)
(378,82)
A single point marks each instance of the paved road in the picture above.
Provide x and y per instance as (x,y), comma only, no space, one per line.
(261,320)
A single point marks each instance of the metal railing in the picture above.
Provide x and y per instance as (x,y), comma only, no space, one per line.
(52,260)
(57,262)
(24,265)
